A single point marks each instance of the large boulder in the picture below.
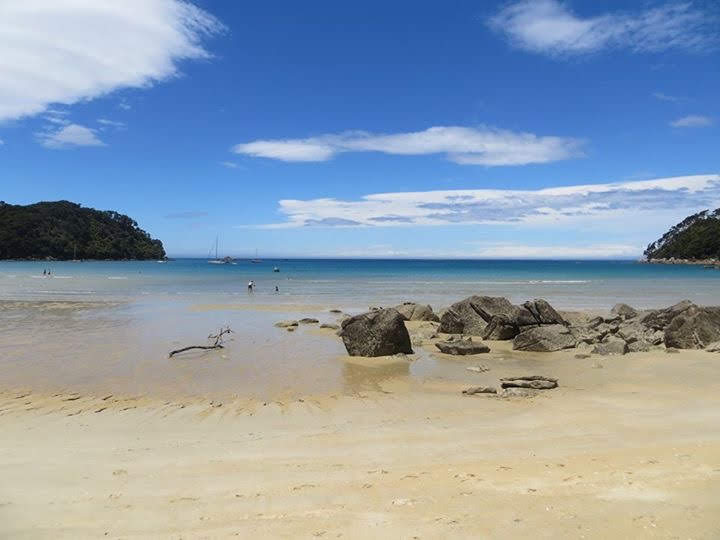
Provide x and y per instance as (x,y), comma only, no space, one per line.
(474,315)
(658,319)
(694,328)
(416,312)
(548,338)
(462,347)
(377,333)
(624,311)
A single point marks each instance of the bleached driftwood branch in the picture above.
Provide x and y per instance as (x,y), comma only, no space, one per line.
(217,342)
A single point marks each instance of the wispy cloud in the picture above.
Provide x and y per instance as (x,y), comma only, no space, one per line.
(111,123)
(464,145)
(666,97)
(551,27)
(186,215)
(65,51)
(229,164)
(69,136)
(607,203)
(693,120)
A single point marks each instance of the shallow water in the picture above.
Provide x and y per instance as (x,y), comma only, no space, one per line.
(356,284)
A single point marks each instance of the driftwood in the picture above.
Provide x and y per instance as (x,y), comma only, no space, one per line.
(217,343)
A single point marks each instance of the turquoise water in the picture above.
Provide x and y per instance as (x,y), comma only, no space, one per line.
(360,283)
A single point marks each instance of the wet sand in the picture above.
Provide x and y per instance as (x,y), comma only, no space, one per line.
(626,447)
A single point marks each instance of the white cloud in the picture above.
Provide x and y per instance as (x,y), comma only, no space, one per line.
(666,97)
(550,27)
(609,205)
(2,142)
(468,146)
(69,136)
(526,251)
(65,51)
(111,123)
(693,120)
(229,164)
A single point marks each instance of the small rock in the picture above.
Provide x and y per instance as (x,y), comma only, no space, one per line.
(624,311)
(672,350)
(480,390)
(285,324)
(611,345)
(713,347)
(478,369)
(308,320)
(335,311)
(329,326)
(582,356)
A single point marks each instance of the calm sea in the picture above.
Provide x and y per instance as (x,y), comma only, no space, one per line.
(356,284)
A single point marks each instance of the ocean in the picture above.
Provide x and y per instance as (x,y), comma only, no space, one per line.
(355,284)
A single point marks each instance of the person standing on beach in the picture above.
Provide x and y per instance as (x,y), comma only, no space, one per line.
(251,286)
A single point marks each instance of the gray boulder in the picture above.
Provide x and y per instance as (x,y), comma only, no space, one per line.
(377,333)
(713,347)
(329,326)
(416,312)
(473,315)
(694,328)
(658,319)
(308,320)
(624,311)
(462,347)
(549,338)
(543,312)
(611,345)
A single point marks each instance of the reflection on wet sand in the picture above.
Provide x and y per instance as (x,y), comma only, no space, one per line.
(368,374)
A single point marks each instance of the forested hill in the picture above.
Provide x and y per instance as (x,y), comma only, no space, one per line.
(64,230)
(696,237)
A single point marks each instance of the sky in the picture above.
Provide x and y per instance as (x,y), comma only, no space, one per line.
(520,129)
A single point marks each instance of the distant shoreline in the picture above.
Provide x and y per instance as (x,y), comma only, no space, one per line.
(673,260)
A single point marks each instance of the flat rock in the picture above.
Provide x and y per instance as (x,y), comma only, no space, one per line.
(462,347)
(480,390)
(376,333)
(308,320)
(329,326)
(549,338)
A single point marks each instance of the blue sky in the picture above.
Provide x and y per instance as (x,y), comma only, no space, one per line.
(369,128)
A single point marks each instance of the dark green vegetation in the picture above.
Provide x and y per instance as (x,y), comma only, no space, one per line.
(65,230)
(696,237)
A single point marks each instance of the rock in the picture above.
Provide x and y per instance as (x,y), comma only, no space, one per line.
(335,311)
(624,311)
(660,318)
(693,328)
(713,347)
(330,326)
(519,392)
(427,330)
(478,369)
(499,329)
(290,328)
(416,312)
(462,347)
(536,382)
(480,390)
(285,324)
(543,312)
(611,345)
(582,356)
(671,350)
(473,315)
(308,320)
(376,333)
(586,335)
(639,346)
(544,339)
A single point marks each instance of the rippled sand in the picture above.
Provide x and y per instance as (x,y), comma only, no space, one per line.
(281,445)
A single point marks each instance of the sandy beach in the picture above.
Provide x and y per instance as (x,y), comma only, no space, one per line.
(626,447)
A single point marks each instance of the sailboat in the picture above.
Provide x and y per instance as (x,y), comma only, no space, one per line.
(256,260)
(224,260)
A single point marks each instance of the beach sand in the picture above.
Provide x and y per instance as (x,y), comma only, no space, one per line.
(626,447)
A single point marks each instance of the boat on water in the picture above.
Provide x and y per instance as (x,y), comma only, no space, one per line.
(217,260)
(256,260)
(276,269)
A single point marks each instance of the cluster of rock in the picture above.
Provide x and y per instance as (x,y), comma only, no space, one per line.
(533,326)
